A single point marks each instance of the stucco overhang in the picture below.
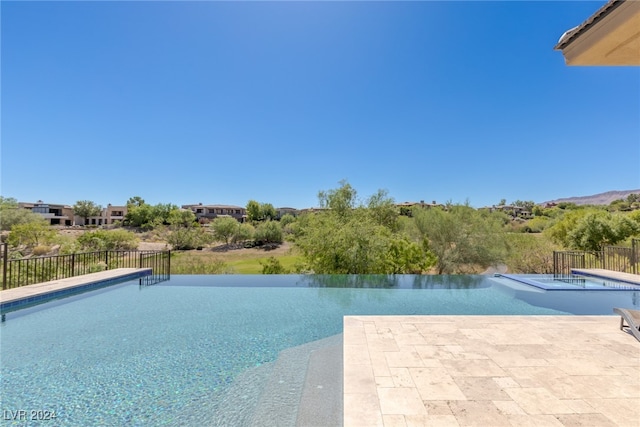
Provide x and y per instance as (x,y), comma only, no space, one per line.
(611,36)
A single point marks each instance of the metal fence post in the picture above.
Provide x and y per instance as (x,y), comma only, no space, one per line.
(5,262)
(634,254)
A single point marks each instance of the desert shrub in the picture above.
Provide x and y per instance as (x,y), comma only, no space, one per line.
(99,266)
(31,234)
(268,232)
(184,264)
(111,240)
(244,233)
(287,219)
(273,266)
(41,250)
(537,224)
(186,238)
(530,253)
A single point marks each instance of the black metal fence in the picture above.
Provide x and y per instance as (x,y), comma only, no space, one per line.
(614,258)
(28,271)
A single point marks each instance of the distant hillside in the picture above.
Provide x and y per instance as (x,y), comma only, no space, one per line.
(596,199)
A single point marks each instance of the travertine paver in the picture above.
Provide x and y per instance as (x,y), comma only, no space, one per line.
(490,370)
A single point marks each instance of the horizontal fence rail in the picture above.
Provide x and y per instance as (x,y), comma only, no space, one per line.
(614,258)
(28,271)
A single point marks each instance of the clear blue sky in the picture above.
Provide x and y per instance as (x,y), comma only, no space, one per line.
(223,102)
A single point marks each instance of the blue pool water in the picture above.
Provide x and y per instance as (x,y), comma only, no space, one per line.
(172,353)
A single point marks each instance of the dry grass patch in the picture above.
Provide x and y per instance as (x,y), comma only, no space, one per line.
(239,261)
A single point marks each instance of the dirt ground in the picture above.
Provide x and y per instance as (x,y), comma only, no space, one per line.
(152,246)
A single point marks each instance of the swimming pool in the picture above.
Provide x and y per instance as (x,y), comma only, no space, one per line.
(198,350)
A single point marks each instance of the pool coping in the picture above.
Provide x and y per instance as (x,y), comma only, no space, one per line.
(24,296)
(603,274)
(608,274)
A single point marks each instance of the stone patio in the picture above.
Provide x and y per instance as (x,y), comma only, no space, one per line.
(490,371)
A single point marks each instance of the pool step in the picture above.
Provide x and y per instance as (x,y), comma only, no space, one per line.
(280,401)
(321,403)
(235,408)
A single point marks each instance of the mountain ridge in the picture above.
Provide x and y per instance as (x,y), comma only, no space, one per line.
(596,199)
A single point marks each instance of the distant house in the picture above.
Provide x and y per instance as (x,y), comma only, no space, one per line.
(54,213)
(511,210)
(283,211)
(109,215)
(421,203)
(608,37)
(311,210)
(405,207)
(206,213)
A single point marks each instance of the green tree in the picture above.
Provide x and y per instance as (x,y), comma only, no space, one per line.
(332,244)
(461,237)
(186,238)
(182,218)
(225,228)
(11,214)
(530,253)
(260,211)
(348,238)
(140,214)
(287,219)
(268,232)
(268,212)
(383,210)
(31,234)
(254,213)
(86,209)
(244,233)
(341,200)
(598,229)
(564,223)
(406,257)
(135,201)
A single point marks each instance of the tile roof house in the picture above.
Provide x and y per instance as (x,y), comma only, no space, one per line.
(611,36)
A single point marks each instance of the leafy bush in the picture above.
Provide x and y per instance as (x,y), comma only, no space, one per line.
(273,266)
(287,219)
(244,233)
(224,228)
(184,264)
(31,234)
(530,253)
(110,240)
(186,238)
(537,224)
(268,232)
(41,250)
(98,266)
